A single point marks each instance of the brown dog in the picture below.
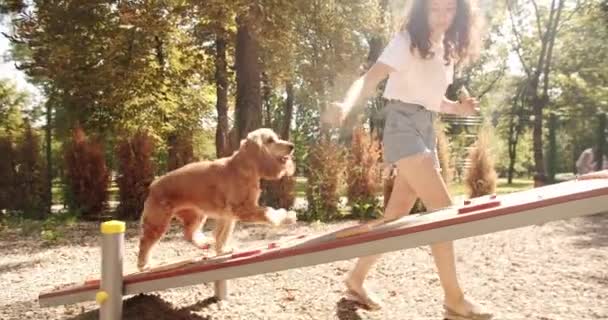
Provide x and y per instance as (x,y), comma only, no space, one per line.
(226,189)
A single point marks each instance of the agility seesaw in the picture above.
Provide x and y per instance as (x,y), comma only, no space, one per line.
(474,217)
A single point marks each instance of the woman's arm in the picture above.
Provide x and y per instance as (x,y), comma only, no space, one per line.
(360,90)
(594,175)
(448,106)
(582,163)
(468,106)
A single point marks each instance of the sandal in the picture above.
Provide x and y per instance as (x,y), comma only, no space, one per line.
(475,314)
(369,301)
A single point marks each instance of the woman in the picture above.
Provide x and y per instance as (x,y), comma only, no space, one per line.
(587,161)
(419,62)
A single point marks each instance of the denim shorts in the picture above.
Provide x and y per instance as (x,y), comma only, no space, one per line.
(408,130)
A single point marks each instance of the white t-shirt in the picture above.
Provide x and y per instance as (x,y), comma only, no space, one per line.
(416,80)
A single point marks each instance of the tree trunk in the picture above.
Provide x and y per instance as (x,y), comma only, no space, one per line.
(552,150)
(248,90)
(537,136)
(513,140)
(515,127)
(181,151)
(49,156)
(221,82)
(267,106)
(288,111)
(539,101)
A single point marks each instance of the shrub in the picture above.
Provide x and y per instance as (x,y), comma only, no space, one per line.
(31,181)
(279,193)
(362,175)
(325,168)
(135,173)
(7,174)
(86,176)
(481,176)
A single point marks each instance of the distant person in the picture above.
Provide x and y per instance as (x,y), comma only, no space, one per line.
(587,161)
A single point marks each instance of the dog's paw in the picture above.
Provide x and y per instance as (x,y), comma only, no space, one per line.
(290,218)
(281,217)
(276,216)
(202,242)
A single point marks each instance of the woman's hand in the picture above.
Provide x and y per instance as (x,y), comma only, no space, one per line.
(468,106)
(333,114)
(360,90)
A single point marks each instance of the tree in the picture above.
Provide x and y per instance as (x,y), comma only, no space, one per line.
(538,62)
(32,196)
(248,74)
(12,104)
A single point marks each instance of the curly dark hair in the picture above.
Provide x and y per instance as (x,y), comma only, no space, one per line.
(461,40)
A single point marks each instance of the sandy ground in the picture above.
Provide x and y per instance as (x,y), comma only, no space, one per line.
(556,271)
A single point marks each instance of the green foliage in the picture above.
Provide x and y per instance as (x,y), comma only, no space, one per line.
(128,66)
(12,104)
(51,230)
(204,144)
(132,65)
(524,164)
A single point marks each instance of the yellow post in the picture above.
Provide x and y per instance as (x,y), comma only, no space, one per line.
(109,297)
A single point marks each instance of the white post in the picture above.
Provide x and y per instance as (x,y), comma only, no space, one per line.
(110,292)
(221,289)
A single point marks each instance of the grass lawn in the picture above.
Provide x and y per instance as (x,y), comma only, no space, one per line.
(456,189)
(502,186)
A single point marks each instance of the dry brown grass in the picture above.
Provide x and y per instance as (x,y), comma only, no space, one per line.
(481,177)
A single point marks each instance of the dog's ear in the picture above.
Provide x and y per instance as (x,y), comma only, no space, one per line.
(255,137)
(251,148)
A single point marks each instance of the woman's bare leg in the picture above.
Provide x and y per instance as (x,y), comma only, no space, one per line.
(428,184)
(401,201)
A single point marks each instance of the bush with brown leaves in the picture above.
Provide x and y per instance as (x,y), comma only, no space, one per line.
(23,181)
(362,175)
(86,175)
(325,168)
(135,173)
(481,177)
(8,175)
(31,180)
